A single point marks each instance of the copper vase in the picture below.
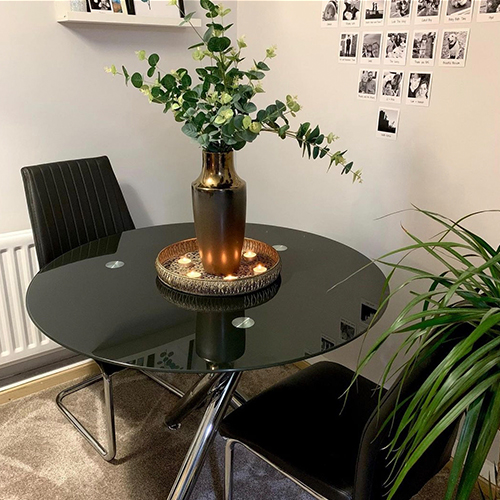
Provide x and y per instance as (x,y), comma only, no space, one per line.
(219,208)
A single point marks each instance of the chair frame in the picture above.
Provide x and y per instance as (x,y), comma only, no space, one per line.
(108,452)
(228,471)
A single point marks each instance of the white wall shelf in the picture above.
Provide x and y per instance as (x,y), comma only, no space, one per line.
(73,17)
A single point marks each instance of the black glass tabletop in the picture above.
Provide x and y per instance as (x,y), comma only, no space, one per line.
(104,300)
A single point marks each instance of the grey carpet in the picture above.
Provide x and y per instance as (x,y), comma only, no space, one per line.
(43,457)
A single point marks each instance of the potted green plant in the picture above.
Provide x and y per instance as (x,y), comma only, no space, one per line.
(218,112)
(463,300)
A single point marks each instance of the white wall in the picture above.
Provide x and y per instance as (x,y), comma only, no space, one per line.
(446,157)
(57,103)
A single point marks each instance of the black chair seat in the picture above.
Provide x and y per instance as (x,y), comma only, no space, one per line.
(302,426)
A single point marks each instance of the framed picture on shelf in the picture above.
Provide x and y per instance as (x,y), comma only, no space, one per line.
(158,8)
(100,6)
(112,6)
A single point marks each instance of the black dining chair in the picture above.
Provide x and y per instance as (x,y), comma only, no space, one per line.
(302,428)
(70,204)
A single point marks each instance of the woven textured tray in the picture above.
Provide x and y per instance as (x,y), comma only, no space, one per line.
(171,273)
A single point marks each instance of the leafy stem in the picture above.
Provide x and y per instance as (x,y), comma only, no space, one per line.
(218,110)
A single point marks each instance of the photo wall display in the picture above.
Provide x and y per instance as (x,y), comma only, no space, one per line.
(411,37)
(356,13)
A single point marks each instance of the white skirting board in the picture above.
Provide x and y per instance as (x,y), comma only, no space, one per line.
(19,338)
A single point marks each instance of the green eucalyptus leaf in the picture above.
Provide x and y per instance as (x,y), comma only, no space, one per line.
(248,135)
(262,116)
(346,170)
(201,44)
(151,71)
(187,18)
(262,66)
(239,145)
(168,81)
(249,107)
(255,75)
(208,5)
(238,121)
(202,72)
(126,75)
(186,80)
(190,95)
(157,92)
(208,34)
(153,59)
(218,44)
(137,80)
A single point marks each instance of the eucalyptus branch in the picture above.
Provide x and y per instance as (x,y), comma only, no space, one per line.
(217,111)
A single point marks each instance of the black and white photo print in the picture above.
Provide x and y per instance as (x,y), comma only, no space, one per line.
(388,123)
(367,84)
(396,44)
(348,50)
(423,48)
(454,46)
(419,89)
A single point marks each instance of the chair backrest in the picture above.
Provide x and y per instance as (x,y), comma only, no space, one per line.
(373,466)
(73,202)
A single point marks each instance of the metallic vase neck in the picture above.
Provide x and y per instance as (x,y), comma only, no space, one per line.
(218,170)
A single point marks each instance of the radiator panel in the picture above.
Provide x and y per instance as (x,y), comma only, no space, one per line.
(19,338)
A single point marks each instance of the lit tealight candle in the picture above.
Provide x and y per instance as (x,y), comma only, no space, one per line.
(185,262)
(259,269)
(193,274)
(249,255)
(230,277)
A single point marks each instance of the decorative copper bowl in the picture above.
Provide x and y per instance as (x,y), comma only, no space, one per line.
(174,275)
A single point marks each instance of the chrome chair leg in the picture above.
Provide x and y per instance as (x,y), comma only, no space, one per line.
(109,452)
(163,383)
(228,473)
(238,400)
(228,469)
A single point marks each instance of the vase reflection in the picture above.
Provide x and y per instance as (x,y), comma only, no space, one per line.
(219,340)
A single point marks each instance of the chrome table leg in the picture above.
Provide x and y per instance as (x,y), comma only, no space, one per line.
(220,396)
(192,400)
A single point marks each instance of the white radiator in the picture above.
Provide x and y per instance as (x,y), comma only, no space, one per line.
(19,338)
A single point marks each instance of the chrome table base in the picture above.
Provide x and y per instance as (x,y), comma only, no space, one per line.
(218,389)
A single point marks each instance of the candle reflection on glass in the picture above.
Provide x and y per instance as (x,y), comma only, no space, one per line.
(185,262)
(249,255)
(259,269)
(193,274)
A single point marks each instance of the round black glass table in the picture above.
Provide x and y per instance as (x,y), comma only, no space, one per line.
(104,300)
